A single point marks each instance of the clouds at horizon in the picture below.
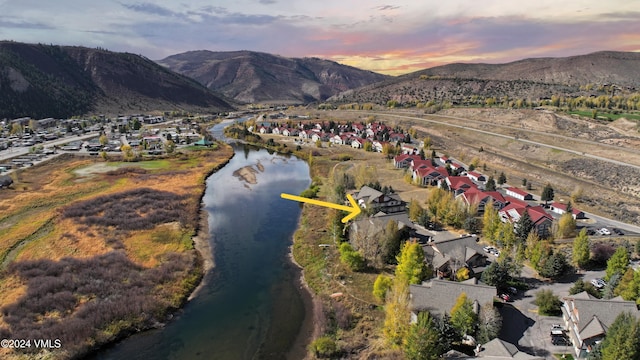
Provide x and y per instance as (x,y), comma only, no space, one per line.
(391,37)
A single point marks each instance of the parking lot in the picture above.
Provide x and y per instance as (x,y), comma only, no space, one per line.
(531,332)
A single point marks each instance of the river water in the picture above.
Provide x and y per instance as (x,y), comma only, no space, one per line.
(249,306)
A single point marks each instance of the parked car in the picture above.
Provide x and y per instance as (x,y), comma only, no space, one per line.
(604,231)
(598,283)
(488,248)
(560,340)
(617,231)
(505,297)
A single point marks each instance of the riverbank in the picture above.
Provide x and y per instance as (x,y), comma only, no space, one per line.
(90,226)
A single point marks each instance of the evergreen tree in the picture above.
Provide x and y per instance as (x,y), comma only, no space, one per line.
(555,266)
(581,249)
(491,184)
(502,179)
(547,193)
(523,227)
(422,341)
(623,339)
(448,334)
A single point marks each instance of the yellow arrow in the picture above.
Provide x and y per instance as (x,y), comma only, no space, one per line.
(353,210)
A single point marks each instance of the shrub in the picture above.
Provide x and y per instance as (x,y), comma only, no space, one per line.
(381,286)
(351,258)
(548,303)
(323,347)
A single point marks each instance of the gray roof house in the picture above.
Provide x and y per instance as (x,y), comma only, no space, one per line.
(587,318)
(464,249)
(438,296)
(369,198)
(497,349)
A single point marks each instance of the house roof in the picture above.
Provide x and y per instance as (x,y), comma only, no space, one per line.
(518,191)
(499,349)
(438,296)
(536,213)
(474,174)
(593,328)
(475,195)
(367,193)
(606,311)
(563,207)
(468,244)
(457,182)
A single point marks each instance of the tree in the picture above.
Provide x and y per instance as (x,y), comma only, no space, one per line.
(422,341)
(502,179)
(548,303)
(555,266)
(415,210)
(489,323)
(496,274)
(169,147)
(565,226)
(103,140)
(411,267)
(396,321)
(448,334)
(608,292)
(581,249)
(491,184)
(547,193)
(463,318)
(523,227)
(580,286)
(491,222)
(629,285)
(623,339)
(618,263)
(351,258)
(462,274)
(524,182)
(381,286)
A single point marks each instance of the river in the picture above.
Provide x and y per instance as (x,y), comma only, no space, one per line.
(249,306)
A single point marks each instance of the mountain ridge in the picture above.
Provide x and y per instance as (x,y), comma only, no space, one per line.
(250,76)
(60,81)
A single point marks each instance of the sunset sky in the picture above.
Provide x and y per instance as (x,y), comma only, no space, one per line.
(391,37)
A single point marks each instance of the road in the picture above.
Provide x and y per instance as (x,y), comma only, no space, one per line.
(516,138)
(13,152)
(523,326)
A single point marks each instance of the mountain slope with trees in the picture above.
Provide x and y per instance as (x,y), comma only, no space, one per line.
(61,81)
(605,73)
(251,77)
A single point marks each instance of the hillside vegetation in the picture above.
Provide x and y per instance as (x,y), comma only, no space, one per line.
(61,81)
(253,77)
(88,256)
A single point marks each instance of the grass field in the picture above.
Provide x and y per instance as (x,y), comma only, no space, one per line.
(69,225)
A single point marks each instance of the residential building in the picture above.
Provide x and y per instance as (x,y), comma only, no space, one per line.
(587,319)
(438,296)
(369,198)
(476,176)
(541,219)
(450,254)
(519,194)
(560,208)
(481,198)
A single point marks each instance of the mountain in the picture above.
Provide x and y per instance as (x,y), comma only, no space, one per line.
(254,77)
(60,81)
(534,78)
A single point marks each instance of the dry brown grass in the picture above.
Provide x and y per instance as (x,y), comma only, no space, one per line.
(32,217)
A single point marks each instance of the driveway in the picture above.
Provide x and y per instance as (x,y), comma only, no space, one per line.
(523,326)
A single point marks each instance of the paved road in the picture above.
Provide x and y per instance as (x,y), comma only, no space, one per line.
(23,150)
(516,138)
(522,325)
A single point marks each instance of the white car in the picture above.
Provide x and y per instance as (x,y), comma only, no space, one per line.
(488,249)
(598,283)
(604,231)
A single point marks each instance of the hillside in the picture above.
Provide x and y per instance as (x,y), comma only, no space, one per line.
(253,77)
(524,79)
(59,81)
